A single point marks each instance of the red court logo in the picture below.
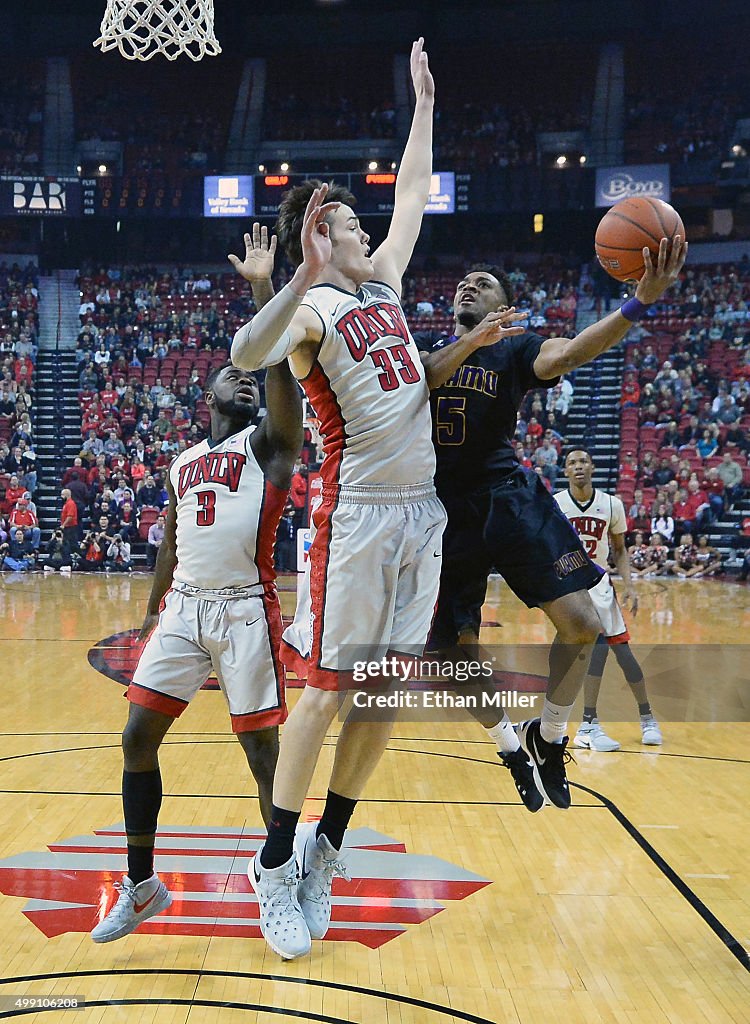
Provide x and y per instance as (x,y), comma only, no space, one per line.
(69,886)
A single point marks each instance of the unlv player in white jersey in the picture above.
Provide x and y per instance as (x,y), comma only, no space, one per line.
(599,520)
(213,603)
(375,558)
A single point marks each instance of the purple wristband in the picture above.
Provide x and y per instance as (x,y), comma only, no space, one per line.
(633,310)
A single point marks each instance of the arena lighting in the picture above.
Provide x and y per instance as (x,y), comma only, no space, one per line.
(380,179)
(394,165)
(78,168)
(538,223)
(102,168)
(261,168)
(372,166)
(276,180)
(582,159)
(284,168)
(561,160)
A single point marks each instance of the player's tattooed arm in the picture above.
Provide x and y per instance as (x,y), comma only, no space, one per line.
(442,364)
(166,560)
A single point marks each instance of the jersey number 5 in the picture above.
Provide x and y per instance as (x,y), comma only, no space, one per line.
(450,422)
(206,513)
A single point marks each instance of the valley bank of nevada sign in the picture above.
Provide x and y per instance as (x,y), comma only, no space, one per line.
(647,180)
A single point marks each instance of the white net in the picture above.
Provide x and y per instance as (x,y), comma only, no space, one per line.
(140,29)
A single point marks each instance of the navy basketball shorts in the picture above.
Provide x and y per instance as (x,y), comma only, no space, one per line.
(533,544)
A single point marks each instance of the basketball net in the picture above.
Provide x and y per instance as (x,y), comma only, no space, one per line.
(140,29)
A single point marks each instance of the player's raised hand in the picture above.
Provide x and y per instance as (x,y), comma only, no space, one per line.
(496,327)
(421,76)
(669,263)
(259,255)
(316,234)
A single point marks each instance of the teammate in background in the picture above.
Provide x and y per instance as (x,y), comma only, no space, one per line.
(599,520)
(501,515)
(213,602)
(375,558)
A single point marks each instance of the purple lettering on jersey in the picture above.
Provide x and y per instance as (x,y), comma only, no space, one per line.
(587,526)
(361,328)
(224,468)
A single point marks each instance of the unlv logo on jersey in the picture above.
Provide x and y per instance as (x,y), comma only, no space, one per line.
(588,526)
(213,468)
(363,327)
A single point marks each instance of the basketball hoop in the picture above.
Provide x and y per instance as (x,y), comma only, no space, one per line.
(140,29)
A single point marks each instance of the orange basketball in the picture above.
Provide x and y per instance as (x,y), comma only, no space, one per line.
(630,225)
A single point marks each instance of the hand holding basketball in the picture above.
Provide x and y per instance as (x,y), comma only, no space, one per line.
(669,263)
(259,255)
(630,226)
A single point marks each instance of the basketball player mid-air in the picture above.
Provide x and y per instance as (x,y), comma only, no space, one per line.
(501,515)
(213,602)
(375,558)
(599,520)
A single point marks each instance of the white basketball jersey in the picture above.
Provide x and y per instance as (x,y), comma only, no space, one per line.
(227,515)
(594,521)
(368,389)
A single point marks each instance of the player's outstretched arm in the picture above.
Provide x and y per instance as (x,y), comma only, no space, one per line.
(391,259)
(442,364)
(166,560)
(561,355)
(281,326)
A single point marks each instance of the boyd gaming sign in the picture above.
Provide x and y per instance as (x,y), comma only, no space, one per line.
(647,180)
(26,196)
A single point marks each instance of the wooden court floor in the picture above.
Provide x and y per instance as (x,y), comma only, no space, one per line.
(631,908)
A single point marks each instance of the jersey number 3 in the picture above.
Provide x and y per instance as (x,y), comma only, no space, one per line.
(206,514)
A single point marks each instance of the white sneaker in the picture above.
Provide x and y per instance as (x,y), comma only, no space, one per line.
(281,920)
(136,903)
(651,733)
(591,736)
(65,570)
(48,568)
(318,864)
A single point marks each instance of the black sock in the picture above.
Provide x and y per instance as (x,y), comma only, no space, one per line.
(140,863)
(279,845)
(589,714)
(645,710)
(337,814)
(141,800)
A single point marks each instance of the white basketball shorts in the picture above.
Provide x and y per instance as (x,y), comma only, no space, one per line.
(234,632)
(610,614)
(373,580)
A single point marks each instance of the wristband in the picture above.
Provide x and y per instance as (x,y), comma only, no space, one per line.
(633,309)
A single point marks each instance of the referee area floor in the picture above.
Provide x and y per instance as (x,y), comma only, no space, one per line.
(631,908)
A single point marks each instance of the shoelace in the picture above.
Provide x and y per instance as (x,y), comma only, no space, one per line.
(557,758)
(283,898)
(331,869)
(125,896)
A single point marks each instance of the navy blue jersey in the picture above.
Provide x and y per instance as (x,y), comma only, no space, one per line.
(474,414)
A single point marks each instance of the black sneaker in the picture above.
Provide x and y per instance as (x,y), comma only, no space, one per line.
(549,763)
(522,770)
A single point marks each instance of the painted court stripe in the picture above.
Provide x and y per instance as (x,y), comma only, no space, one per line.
(723,877)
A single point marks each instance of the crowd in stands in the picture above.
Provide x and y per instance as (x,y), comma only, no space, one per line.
(685,122)
(686,415)
(19,330)
(158,129)
(21,116)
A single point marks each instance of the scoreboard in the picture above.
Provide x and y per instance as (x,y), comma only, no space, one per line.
(375,192)
(210,197)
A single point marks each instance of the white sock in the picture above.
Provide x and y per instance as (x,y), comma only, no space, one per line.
(504,736)
(554,722)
